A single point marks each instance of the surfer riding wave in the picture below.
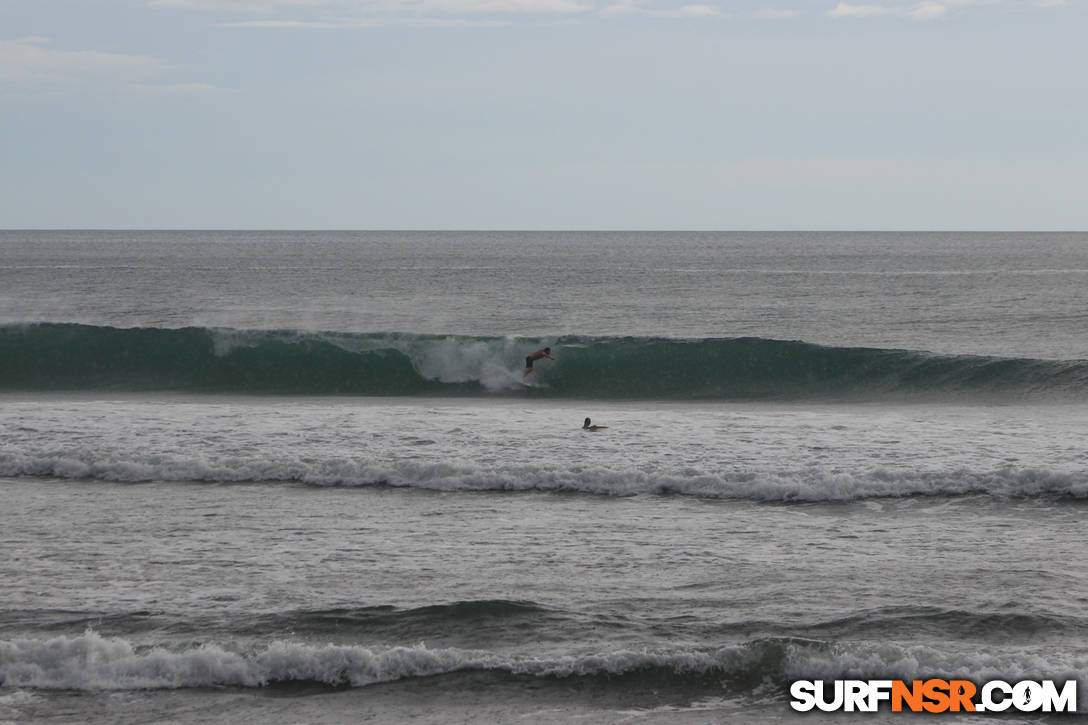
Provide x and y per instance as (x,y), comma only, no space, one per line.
(541,353)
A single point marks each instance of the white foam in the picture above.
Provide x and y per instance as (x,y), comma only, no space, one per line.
(92,662)
(496,364)
(758,453)
(786,485)
(493,364)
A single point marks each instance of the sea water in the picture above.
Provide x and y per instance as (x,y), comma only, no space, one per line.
(300,477)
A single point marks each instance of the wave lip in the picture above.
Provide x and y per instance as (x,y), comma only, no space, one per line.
(50,356)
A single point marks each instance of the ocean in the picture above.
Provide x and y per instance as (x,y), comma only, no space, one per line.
(300,477)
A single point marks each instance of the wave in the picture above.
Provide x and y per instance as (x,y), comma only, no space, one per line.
(479,623)
(786,485)
(471,620)
(1006,624)
(54,356)
(92,662)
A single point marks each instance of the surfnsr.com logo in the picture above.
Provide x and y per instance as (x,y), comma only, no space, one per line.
(934,695)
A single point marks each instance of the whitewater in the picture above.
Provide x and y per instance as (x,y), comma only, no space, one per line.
(833,453)
(300,476)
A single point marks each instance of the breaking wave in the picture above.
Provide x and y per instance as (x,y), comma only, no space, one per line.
(785,485)
(50,356)
(93,662)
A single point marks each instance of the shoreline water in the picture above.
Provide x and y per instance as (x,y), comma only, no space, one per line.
(210,583)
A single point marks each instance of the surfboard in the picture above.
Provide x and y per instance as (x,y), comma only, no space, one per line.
(594,428)
(524,382)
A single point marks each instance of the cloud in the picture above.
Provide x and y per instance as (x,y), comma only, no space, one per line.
(186,89)
(371,13)
(474,7)
(33,61)
(772,14)
(380,7)
(844,10)
(698,11)
(33,64)
(365,23)
(290,24)
(258,6)
(638,7)
(923,9)
(928,11)
(323,14)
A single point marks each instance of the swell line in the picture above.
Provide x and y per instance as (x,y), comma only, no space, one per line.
(50,356)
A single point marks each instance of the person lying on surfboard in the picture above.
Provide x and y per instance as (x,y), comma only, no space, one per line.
(587,426)
(543,352)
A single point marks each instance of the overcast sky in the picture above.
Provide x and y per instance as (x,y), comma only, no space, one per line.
(544,114)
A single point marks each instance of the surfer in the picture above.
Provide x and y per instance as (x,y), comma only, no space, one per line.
(588,426)
(542,352)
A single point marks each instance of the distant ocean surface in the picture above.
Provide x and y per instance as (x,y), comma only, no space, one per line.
(290,477)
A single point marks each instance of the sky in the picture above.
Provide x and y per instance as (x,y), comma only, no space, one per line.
(544,114)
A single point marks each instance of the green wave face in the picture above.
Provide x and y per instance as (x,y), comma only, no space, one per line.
(82,357)
(79,357)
